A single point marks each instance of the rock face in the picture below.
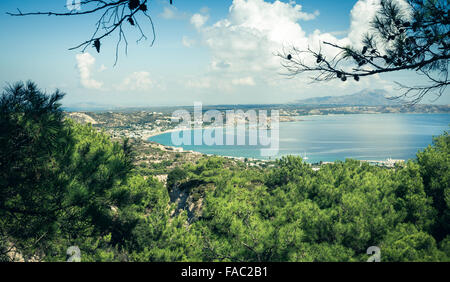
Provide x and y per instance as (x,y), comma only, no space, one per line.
(363,98)
(189,197)
(82,118)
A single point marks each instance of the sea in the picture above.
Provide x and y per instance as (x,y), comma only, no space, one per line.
(330,138)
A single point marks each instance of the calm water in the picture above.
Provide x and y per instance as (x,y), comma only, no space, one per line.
(337,137)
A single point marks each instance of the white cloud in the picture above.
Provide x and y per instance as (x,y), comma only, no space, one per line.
(248,81)
(198,20)
(253,31)
(244,43)
(102,68)
(204,10)
(172,13)
(137,81)
(361,15)
(221,65)
(201,83)
(85,62)
(339,33)
(168,13)
(187,42)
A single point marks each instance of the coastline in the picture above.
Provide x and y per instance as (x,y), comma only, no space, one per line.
(146,138)
(369,158)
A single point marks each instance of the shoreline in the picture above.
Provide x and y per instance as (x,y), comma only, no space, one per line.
(299,119)
(175,148)
(145,137)
(150,135)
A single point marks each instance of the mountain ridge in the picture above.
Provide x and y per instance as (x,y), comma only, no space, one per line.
(376,97)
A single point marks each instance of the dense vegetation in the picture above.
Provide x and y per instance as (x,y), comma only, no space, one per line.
(64,184)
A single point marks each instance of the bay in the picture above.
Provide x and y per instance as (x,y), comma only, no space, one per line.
(337,137)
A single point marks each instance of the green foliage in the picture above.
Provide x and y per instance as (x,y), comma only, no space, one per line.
(434,164)
(407,243)
(35,144)
(176,176)
(334,214)
(64,184)
(60,181)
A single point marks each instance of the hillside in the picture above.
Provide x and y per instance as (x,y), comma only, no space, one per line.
(364,98)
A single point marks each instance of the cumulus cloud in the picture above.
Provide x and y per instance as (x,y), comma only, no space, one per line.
(198,20)
(361,15)
(137,81)
(220,65)
(171,13)
(254,30)
(247,81)
(187,42)
(102,68)
(168,13)
(201,83)
(85,63)
(204,10)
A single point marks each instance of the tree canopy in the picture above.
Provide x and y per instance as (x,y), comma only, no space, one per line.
(63,184)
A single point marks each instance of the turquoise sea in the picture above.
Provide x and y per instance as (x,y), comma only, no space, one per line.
(337,137)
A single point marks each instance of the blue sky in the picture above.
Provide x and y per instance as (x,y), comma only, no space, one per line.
(215,52)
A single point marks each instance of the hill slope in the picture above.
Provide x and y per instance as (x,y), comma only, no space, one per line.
(363,98)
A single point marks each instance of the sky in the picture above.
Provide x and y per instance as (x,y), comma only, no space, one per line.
(214,52)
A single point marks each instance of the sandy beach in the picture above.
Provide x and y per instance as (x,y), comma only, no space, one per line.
(149,135)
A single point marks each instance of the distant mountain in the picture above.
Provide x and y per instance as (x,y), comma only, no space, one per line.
(363,98)
(88,106)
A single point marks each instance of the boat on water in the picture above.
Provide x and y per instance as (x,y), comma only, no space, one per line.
(305,157)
